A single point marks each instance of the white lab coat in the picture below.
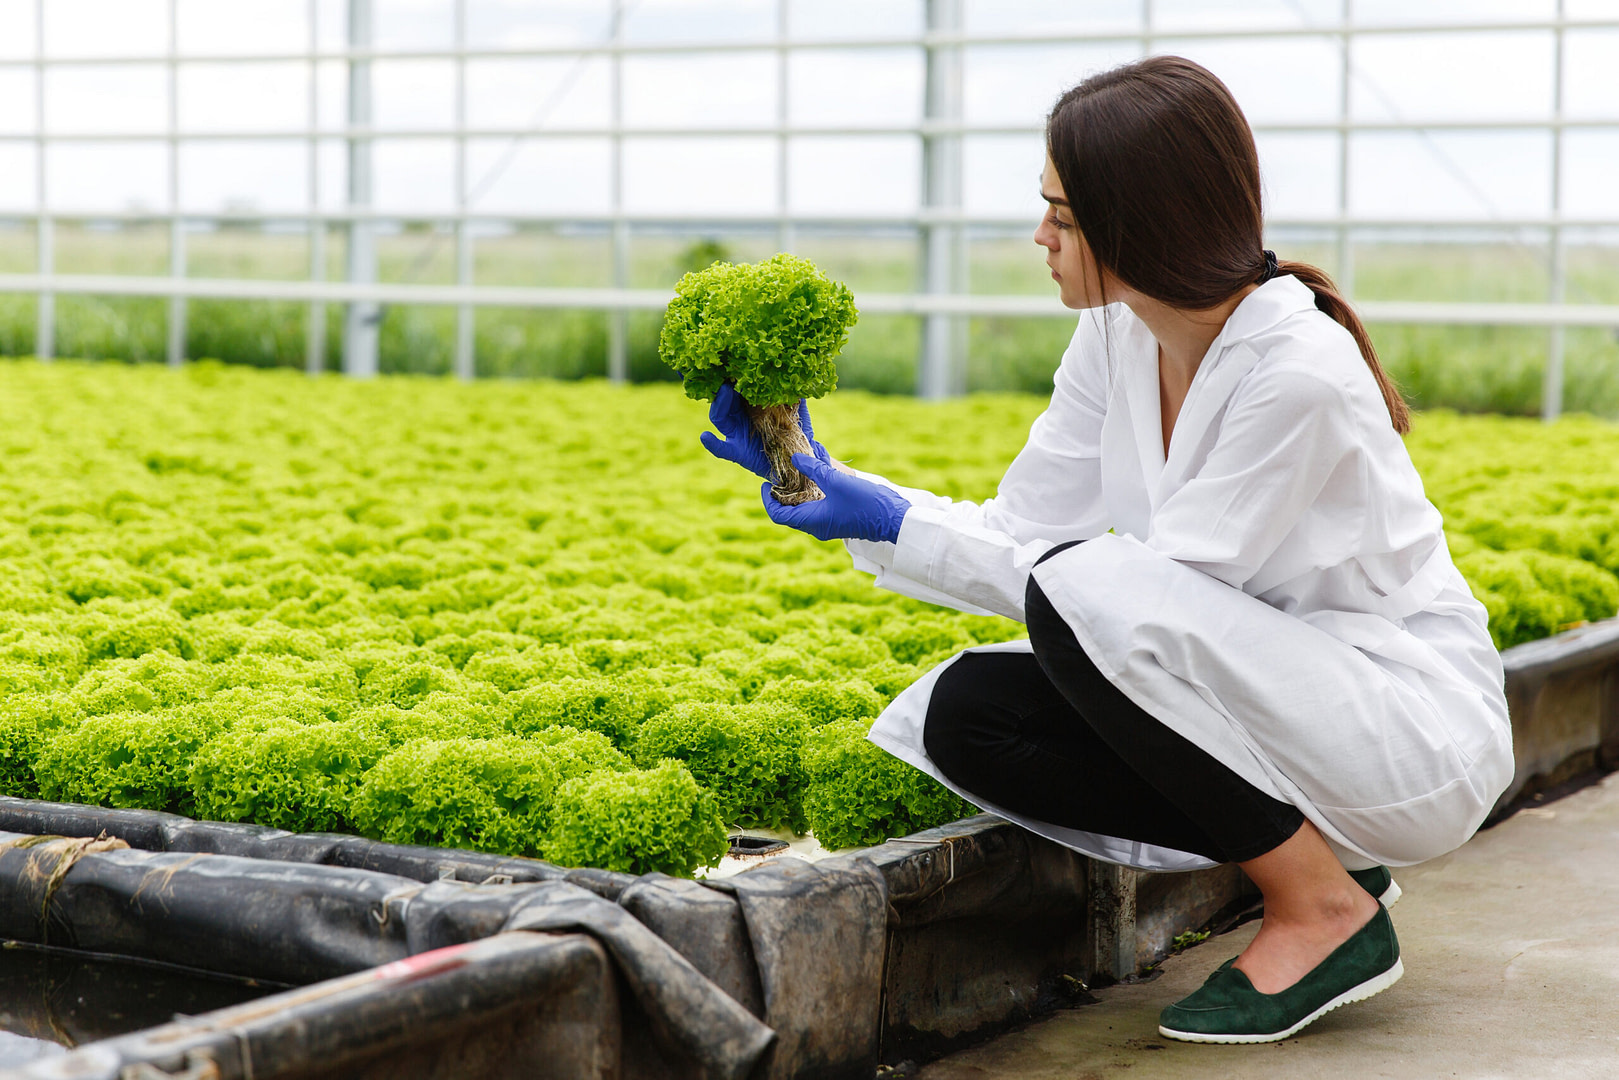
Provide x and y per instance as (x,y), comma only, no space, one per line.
(1278,591)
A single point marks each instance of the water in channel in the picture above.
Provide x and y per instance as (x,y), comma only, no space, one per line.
(53,999)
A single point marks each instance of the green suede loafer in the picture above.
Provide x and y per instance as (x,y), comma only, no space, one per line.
(1227,1008)
(1379,882)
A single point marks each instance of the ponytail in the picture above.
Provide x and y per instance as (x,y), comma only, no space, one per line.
(1328,299)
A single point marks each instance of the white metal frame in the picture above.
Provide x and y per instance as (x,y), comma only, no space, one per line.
(940,223)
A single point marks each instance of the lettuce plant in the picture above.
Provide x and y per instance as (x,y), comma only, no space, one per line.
(658,819)
(749,756)
(859,794)
(772,329)
(484,794)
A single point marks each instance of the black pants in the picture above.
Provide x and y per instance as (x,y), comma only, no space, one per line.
(1050,737)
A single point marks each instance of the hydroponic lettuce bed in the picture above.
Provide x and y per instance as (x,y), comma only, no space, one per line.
(537,618)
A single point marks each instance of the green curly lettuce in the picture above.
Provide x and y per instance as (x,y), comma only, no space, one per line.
(749,756)
(483,794)
(773,328)
(658,819)
(859,794)
(298,777)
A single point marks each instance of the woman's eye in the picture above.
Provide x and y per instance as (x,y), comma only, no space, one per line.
(1057,222)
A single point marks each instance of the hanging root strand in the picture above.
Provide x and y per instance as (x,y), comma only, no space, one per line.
(778,430)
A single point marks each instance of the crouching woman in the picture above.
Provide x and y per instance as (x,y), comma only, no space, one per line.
(1247,640)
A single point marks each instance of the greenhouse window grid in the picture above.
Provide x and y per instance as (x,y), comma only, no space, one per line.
(940,225)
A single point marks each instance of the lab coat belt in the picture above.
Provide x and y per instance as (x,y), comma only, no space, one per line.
(1422,589)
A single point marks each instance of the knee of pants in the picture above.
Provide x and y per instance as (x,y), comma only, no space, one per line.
(950,709)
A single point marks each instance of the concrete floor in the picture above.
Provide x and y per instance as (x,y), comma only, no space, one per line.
(1511,949)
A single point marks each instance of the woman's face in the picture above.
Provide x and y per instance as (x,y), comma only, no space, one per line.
(1069,256)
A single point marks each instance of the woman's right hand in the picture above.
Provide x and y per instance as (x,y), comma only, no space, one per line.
(729,413)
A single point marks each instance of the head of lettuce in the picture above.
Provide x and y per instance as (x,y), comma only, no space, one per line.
(771,330)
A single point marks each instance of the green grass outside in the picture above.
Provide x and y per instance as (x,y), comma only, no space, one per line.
(1472,369)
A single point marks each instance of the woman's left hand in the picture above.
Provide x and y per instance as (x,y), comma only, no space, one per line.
(741,444)
(854,509)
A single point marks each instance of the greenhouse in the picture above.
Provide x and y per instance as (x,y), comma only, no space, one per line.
(398,675)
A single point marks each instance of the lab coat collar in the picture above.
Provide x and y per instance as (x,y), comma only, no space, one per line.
(1262,309)
(1216,377)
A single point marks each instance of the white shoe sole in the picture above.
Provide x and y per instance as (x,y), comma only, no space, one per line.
(1371,986)
(1390,895)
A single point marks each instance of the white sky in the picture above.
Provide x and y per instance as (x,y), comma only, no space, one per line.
(1455,75)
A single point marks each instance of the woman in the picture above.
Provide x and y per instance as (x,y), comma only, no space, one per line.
(1247,641)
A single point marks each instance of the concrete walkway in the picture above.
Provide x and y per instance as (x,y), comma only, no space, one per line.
(1511,949)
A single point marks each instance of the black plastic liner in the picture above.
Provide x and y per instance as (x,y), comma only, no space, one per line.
(520,1004)
(301,923)
(831,956)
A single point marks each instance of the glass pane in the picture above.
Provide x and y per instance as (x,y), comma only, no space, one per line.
(209,28)
(1590,169)
(539,176)
(1253,70)
(413,174)
(237,176)
(1299,175)
(1494,75)
(1383,12)
(1449,175)
(107,176)
(855,174)
(111,100)
(106,27)
(684,176)
(819,20)
(1590,82)
(548,94)
(17,187)
(112,248)
(855,88)
(244,97)
(16,29)
(699,20)
(279,252)
(700,90)
(1232,14)
(1001,175)
(1018,84)
(412,24)
(16,100)
(1037,16)
(515,23)
(413,94)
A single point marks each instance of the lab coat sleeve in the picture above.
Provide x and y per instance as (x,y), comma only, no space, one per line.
(1284,440)
(976,556)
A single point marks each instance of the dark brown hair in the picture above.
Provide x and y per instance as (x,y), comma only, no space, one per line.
(1159,168)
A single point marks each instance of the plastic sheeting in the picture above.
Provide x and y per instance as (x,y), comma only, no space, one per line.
(300,923)
(782,964)
(898,951)
(508,1006)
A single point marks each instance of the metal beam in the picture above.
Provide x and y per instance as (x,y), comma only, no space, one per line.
(177,232)
(932,39)
(45,228)
(941,372)
(362,319)
(315,316)
(975,304)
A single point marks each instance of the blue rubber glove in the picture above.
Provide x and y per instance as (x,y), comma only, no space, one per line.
(854,509)
(741,444)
